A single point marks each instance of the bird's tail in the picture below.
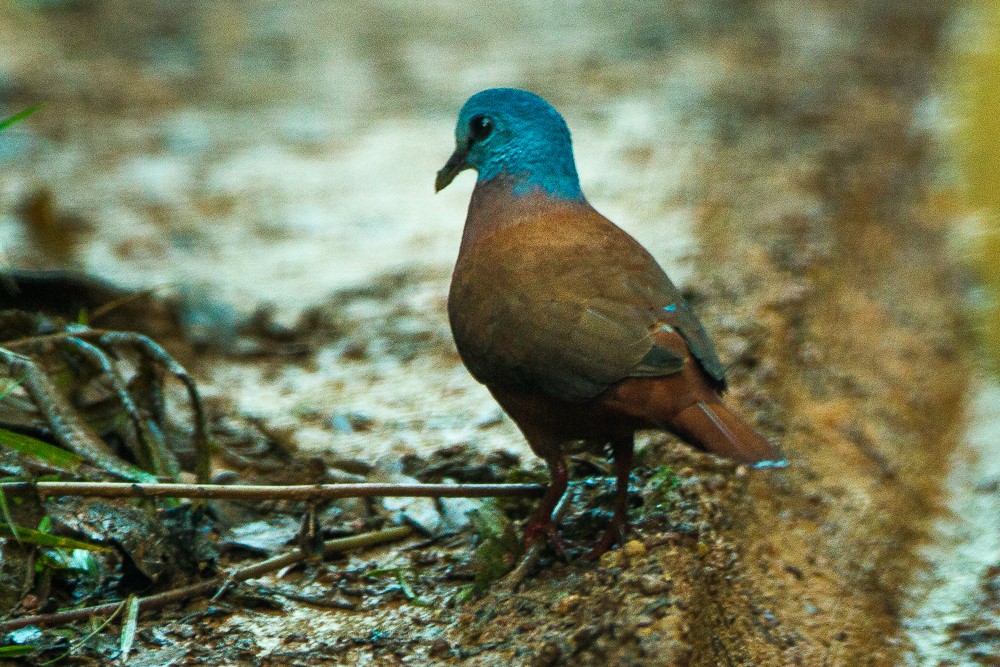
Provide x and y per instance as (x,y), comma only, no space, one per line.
(714,427)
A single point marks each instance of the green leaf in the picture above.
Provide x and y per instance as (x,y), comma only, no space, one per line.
(45,540)
(18,117)
(51,559)
(128,629)
(15,650)
(10,385)
(408,591)
(7,517)
(662,486)
(54,456)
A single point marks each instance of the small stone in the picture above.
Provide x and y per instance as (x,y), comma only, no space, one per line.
(702,549)
(609,559)
(549,655)
(568,604)
(439,648)
(225,477)
(633,549)
(653,585)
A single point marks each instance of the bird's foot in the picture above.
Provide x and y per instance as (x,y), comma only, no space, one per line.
(546,529)
(613,534)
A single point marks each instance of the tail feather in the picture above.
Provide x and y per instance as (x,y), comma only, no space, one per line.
(714,427)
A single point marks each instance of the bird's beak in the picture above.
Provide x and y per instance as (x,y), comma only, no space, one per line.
(455,164)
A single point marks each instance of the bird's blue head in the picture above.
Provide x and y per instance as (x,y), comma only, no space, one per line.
(517,134)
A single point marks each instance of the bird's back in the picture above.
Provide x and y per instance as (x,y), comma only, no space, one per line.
(551,295)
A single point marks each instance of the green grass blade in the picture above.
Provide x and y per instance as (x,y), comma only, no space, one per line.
(31,536)
(16,650)
(18,117)
(127,639)
(54,456)
(8,518)
(11,386)
(77,644)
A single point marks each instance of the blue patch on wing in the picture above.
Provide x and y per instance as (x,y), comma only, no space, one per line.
(671,308)
(777,463)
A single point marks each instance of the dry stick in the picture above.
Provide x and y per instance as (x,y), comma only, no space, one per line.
(153,452)
(513,580)
(154,351)
(103,310)
(66,426)
(210,586)
(260,492)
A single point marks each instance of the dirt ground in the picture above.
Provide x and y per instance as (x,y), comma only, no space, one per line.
(784,159)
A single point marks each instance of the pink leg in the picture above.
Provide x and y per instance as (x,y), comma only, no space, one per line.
(622,450)
(541,522)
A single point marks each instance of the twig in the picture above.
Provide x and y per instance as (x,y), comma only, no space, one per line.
(209,586)
(106,308)
(147,347)
(512,581)
(152,350)
(152,452)
(62,420)
(261,492)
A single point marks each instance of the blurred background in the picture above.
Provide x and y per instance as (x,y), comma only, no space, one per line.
(272,151)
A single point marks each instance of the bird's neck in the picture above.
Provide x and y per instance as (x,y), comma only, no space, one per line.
(556,183)
(503,202)
(533,165)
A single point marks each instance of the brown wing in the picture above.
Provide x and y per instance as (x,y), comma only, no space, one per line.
(570,314)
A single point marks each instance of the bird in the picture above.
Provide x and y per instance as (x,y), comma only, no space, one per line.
(568,321)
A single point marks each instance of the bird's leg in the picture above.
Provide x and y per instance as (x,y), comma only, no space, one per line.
(541,522)
(622,451)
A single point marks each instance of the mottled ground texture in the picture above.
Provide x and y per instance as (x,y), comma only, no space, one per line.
(781,157)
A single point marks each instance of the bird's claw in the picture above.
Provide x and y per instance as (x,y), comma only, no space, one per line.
(545,528)
(613,534)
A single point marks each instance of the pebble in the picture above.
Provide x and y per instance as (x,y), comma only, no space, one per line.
(653,585)
(549,654)
(633,549)
(439,648)
(568,604)
(610,559)
(625,556)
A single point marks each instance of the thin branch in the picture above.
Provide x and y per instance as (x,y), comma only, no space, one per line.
(212,585)
(263,492)
(62,420)
(151,349)
(152,451)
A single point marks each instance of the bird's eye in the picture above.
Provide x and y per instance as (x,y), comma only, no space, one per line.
(480,127)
